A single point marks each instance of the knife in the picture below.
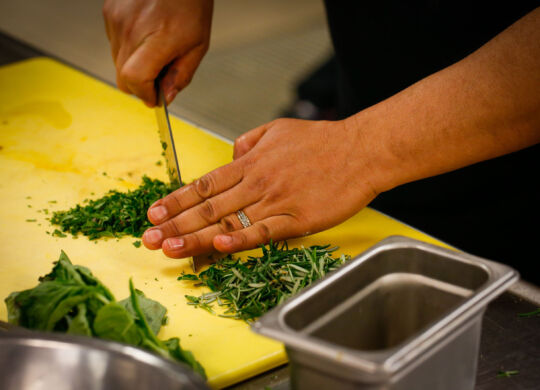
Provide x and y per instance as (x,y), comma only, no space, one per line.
(166,137)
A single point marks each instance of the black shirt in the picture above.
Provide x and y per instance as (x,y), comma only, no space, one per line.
(490,209)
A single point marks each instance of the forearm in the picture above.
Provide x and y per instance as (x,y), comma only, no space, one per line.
(482,107)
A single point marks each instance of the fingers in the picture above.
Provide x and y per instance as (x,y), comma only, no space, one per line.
(199,242)
(190,222)
(229,236)
(192,194)
(208,212)
(143,66)
(247,141)
(181,71)
(275,228)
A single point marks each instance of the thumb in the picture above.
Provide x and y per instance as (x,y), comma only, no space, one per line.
(248,140)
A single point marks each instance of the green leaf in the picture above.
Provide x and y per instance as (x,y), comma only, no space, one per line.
(115,322)
(188,277)
(173,346)
(153,311)
(79,324)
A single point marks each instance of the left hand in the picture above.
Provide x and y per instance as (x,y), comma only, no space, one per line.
(290,177)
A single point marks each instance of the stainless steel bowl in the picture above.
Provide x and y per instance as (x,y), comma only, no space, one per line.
(402,315)
(45,361)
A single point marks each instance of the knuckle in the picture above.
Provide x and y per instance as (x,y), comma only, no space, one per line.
(196,240)
(205,186)
(240,145)
(264,232)
(242,238)
(259,184)
(228,224)
(174,201)
(172,228)
(129,74)
(207,211)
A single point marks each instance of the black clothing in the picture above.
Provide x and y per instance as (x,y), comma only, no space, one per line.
(490,209)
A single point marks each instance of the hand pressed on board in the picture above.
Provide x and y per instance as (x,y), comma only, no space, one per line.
(148,35)
(290,177)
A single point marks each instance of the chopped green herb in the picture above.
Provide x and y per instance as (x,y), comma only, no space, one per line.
(251,288)
(507,374)
(114,215)
(52,201)
(188,277)
(159,163)
(28,197)
(71,300)
(136,244)
(29,206)
(104,173)
(534,313)
(58,233)
(31,220)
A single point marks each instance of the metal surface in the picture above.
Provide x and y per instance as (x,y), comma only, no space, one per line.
(36,361)
(167,139)
(404,314)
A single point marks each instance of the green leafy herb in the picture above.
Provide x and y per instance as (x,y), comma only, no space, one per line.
(534,313)
(136,244)
(114,215)
(31,220)
(58,233)
(507,374)
(251,288)
(71,300)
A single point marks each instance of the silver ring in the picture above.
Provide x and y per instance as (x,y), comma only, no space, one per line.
(244,220)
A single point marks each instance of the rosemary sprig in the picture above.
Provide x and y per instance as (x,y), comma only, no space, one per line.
(530,314)
(507,374)
(114,215)
(249,289)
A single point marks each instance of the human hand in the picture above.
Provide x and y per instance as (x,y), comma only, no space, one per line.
(290,177)
(148,35)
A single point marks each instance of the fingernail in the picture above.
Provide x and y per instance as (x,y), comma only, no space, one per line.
(153,236)
(171,95)
(175,243)
(158,213)
(225,240)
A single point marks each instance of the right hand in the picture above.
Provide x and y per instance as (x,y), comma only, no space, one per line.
(148,35)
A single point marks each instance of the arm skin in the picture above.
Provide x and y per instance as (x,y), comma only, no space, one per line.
(294,177)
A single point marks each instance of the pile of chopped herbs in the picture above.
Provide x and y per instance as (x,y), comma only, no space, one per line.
(71,300)
(249,289)
(114,215)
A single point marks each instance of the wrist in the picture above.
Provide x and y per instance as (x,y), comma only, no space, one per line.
(380,165)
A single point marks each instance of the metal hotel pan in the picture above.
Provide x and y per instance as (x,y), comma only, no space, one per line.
(402,315)
(51,361)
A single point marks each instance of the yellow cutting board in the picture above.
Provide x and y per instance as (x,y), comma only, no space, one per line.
(64,137)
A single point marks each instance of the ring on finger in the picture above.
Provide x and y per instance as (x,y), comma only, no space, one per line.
(244,220)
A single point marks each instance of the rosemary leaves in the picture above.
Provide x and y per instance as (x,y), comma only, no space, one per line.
(249,289)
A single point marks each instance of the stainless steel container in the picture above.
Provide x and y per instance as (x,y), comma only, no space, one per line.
(402,315)
(49,361)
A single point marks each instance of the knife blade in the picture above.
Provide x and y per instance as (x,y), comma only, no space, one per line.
(166,137)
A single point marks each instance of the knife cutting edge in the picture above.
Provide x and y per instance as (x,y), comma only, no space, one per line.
(167,139)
